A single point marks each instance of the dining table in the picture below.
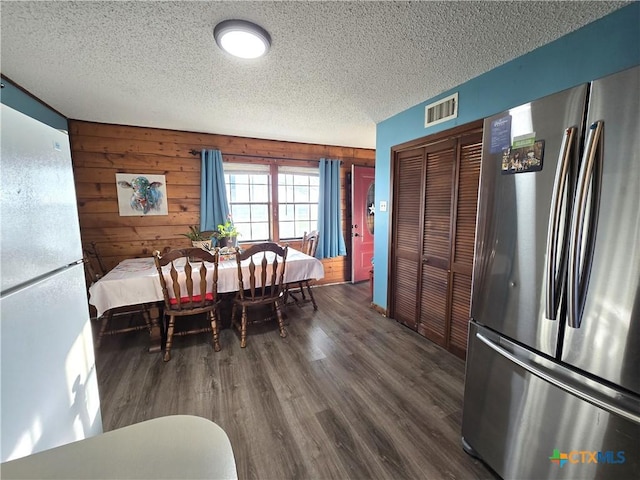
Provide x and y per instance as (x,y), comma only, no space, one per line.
(135,281)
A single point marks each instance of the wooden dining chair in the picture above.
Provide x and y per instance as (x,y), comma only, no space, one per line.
(309,246)
(94,269)
(190,293)
(265,283)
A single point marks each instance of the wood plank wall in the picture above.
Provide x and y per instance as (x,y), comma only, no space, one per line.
(99,151)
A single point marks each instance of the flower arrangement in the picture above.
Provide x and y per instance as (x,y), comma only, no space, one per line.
(200,239)
(228,229)
(228,234)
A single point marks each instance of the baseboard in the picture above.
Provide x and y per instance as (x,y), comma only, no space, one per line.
(382,311)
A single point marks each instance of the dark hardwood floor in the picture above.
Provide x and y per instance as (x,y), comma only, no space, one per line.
(348,394)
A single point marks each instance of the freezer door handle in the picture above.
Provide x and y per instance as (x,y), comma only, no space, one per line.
(556,260)
(583,224)
(530,366)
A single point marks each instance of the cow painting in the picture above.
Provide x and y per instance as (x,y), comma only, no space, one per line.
(146,195)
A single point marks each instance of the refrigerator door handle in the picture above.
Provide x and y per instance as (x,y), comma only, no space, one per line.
(581,241)
(581,393)
(555,261)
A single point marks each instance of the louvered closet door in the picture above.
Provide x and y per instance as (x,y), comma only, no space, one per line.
(435,196)
(436,244)
(408,191)
(465,227)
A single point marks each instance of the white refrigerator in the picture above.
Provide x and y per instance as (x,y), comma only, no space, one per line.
(49,391)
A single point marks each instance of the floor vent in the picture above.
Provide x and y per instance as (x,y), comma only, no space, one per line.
(441,111)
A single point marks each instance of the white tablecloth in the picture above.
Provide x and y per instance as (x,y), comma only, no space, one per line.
(134,281)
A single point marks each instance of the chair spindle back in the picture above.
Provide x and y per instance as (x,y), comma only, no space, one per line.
(177,299)
(270,271)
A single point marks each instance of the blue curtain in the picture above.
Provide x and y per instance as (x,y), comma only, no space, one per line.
(330,240)
(214,208)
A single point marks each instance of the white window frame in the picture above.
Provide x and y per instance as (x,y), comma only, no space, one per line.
(273,205)
(312,223)
(249,169)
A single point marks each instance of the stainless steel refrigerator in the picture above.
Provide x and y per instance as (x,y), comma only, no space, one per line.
(48,385)
(552,386)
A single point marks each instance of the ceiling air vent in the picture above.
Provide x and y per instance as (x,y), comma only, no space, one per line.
(441,111)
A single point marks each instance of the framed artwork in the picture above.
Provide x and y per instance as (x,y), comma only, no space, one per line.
(141,195)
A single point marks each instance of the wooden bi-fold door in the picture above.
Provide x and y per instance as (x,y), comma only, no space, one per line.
(435,187)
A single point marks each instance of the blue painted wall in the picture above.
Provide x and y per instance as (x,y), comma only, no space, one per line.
(14,97)
(606,46)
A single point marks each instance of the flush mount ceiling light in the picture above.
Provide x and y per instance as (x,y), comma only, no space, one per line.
(242,39)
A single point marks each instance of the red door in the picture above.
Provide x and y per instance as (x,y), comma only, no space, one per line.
(362,216)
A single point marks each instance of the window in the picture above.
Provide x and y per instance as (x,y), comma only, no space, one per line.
(251,189)
(248,193)
(298,190)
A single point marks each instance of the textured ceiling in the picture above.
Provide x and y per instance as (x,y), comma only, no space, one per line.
(335,69)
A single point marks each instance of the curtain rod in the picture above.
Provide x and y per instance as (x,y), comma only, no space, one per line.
(197,152)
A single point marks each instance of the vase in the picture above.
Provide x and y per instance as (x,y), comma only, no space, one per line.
(203,244)
(229,242)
